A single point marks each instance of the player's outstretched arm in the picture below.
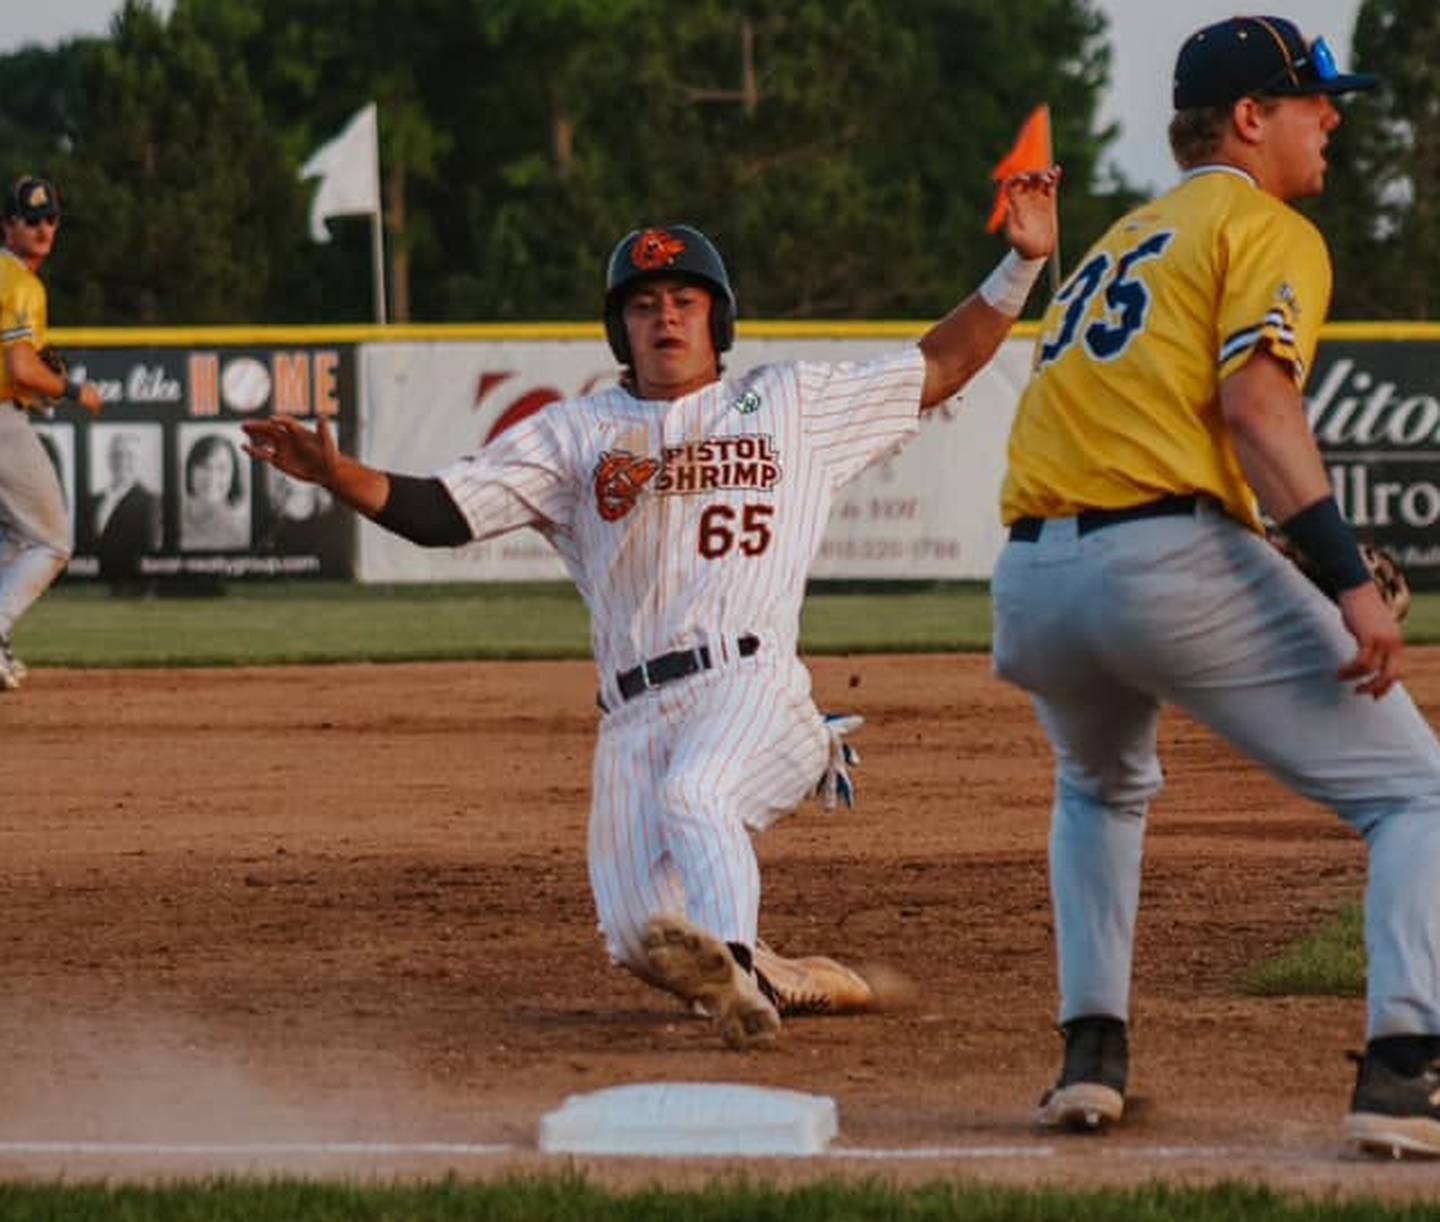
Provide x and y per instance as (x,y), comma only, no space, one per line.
(962,343)
(418,509)
(312,456)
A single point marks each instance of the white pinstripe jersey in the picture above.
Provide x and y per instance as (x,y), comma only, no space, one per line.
(691,521)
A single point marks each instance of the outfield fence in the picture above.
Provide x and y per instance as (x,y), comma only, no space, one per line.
(410,398)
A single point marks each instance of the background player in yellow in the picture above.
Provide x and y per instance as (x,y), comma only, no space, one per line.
(34,536)
(1165,399)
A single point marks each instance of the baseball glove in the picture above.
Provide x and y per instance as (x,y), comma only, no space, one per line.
(54,360)
(1385,572)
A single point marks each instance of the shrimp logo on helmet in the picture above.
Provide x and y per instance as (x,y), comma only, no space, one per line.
(654,249)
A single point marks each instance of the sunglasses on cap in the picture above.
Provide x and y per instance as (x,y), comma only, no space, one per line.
(1318,57)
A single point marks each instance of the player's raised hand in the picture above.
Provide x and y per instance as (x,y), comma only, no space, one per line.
(1031,222)
(284,442)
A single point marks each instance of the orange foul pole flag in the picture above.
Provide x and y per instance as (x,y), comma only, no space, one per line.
(1031,152)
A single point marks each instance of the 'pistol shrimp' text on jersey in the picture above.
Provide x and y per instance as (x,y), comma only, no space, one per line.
(685,524)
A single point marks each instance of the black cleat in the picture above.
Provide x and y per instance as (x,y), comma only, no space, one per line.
(1091,1091)
(1394,1114)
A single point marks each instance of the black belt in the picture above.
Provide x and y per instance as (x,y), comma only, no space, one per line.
(671,666)
(1027,530)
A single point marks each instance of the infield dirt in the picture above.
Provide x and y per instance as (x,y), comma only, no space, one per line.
(349,904)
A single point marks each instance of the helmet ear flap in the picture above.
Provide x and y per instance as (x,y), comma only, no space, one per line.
(722,323)
(616,335)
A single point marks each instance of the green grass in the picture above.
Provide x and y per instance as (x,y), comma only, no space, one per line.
(264,625)
(570,1197)
(267,625)
(80,625)
(1329,962)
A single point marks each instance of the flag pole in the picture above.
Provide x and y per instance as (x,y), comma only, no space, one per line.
(377,264)
(377,240)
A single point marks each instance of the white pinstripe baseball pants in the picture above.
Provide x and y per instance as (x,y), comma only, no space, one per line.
(682,775)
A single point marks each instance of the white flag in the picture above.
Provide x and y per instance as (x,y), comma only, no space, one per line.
(349,171)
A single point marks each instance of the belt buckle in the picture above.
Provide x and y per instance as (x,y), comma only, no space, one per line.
(644,669)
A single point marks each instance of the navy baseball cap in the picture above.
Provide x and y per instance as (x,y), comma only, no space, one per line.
(1265,56)
(32,199)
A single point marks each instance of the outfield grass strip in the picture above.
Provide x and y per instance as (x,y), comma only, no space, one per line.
(333,622)
(571,1197)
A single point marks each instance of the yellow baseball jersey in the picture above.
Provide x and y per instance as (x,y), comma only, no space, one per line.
(22,312)
(1123,404)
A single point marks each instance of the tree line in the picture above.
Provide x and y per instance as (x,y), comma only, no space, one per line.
(839,153)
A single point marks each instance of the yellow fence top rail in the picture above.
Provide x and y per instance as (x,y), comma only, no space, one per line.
(243,336)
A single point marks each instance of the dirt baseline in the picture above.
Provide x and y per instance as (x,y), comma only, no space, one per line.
(348,904)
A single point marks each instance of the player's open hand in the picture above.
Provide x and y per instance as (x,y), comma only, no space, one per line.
(1031,223)
(1378,640)
(90,399)
(284,442)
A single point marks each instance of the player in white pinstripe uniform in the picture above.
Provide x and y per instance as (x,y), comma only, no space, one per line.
(687,507)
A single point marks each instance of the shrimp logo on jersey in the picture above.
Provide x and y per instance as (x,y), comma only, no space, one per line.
(620,478)
(654,249)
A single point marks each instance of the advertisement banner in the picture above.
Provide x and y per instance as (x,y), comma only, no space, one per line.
(928,511)
(160,491)
(1375,410)
(158,486)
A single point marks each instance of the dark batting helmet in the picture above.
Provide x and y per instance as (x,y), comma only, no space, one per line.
(672,250)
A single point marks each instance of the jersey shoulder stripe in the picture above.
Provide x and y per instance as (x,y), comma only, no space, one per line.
(1274,321)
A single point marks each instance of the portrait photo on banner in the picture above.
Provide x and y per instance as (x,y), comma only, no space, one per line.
(214,488)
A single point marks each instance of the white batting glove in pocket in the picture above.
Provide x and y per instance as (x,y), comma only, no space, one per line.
(835,784)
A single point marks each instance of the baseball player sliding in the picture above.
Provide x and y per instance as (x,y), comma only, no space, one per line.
(687,507)
(34,533)
(1166,400)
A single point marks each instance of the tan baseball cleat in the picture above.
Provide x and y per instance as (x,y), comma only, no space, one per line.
(813,985)
(700,969)
(12,670)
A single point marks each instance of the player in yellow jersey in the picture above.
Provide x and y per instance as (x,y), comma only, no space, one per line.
(1165,401)
(34,536)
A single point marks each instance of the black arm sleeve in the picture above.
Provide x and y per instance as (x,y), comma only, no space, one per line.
(422,511)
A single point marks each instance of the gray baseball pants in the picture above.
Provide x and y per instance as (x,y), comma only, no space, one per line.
(1199,612)
(34,531)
